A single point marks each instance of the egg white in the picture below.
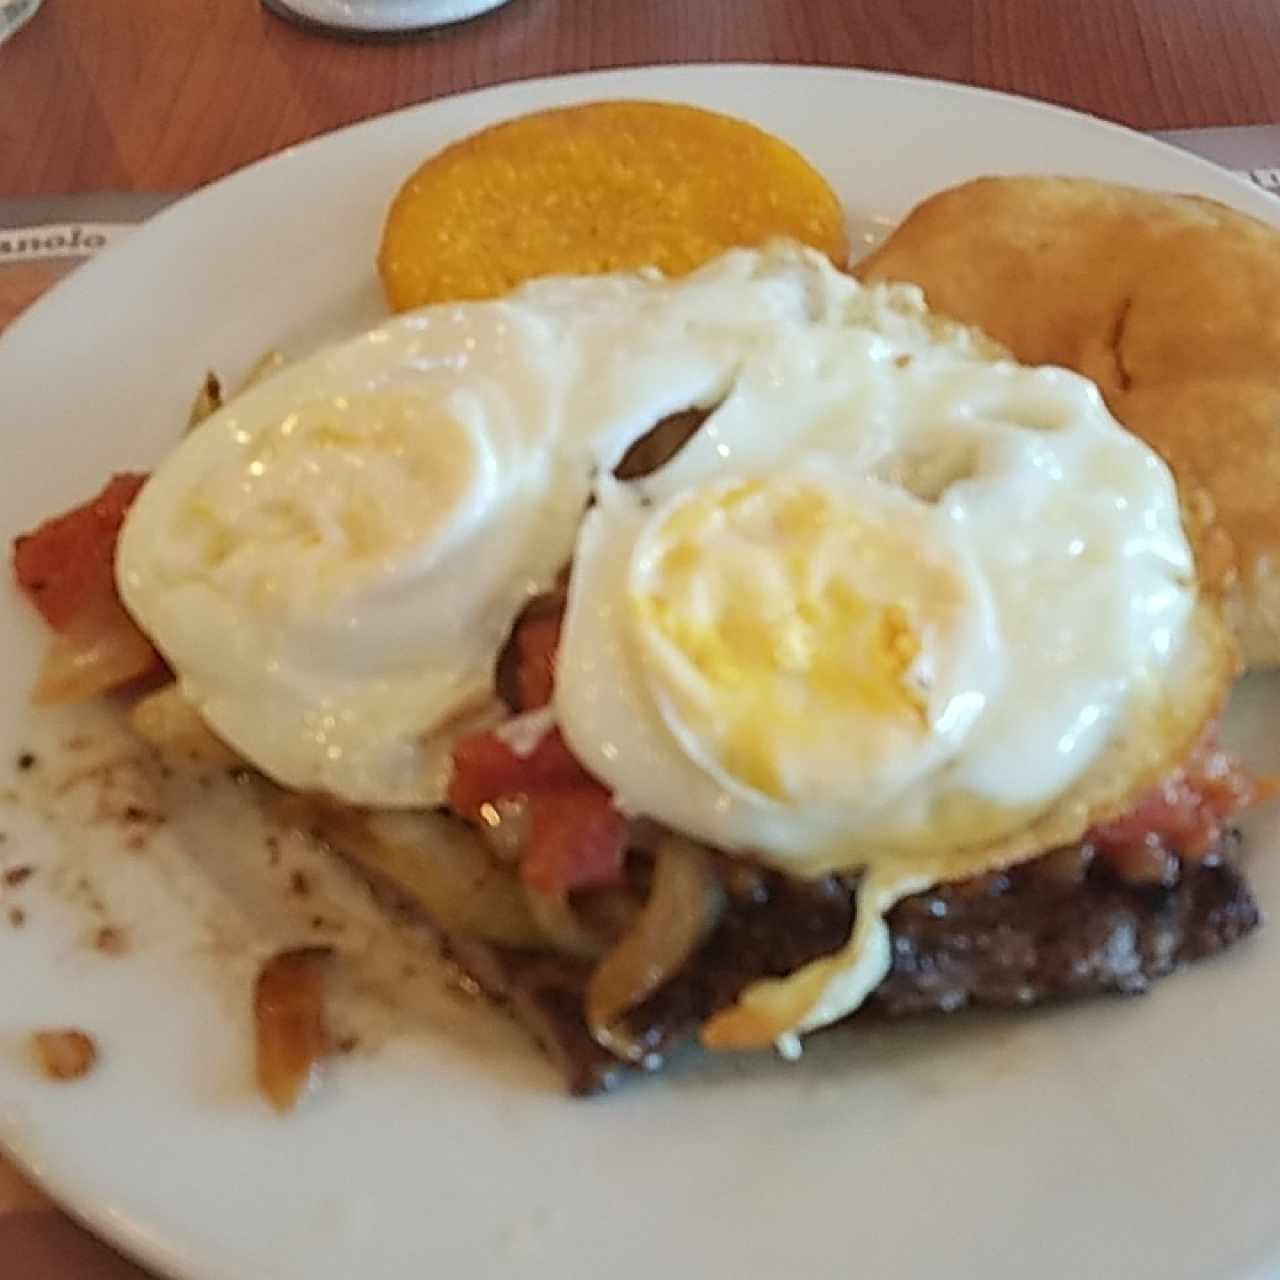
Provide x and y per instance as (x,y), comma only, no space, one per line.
(1070,558)
(1068,526)
(332,563)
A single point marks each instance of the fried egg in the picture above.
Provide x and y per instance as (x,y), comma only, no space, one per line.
(333,561)
(887,609)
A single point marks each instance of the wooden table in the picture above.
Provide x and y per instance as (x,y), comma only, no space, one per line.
(165,95)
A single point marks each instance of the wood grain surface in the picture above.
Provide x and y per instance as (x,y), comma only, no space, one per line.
(167,94)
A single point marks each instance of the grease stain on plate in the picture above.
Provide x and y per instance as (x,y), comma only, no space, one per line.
(126,825)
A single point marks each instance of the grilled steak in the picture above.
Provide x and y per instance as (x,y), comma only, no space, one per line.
(1061,926)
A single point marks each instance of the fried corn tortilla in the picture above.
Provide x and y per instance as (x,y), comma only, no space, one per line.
(1171,304)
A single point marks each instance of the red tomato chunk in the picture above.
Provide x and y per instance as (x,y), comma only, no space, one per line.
(1186,813)
(577,838)
(68,562)
(485,769)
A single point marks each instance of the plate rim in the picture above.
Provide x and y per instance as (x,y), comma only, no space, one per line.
(1256,203)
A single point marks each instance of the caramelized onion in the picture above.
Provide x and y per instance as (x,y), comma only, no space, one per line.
(291,1035)
(610,912)
(100,650)
(684,904)
(209,398)
(207,402)
(562,926)
(660,444)
(65,1053)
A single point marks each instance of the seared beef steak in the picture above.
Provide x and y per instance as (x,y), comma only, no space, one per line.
(1061,926)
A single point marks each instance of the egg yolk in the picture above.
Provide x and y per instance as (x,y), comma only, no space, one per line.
(762,602)
(337,493)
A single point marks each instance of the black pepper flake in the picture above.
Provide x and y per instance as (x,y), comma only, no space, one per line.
(299,884)
(16,875)
(111,940)
(27,760)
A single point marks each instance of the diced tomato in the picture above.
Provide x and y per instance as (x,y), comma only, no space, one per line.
(537,640)
(485,768)
(68,561)
(1186,812)
(578,840)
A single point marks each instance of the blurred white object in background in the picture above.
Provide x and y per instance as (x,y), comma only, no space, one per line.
(373,16)
(13,14)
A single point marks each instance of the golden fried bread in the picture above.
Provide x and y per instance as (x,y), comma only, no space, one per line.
(1171,304)
(606,186)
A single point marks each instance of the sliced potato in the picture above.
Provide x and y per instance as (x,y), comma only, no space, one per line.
(167,721)
(438,865)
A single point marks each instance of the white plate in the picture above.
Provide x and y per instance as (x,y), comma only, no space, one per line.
(369,16)
(1136,1139)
